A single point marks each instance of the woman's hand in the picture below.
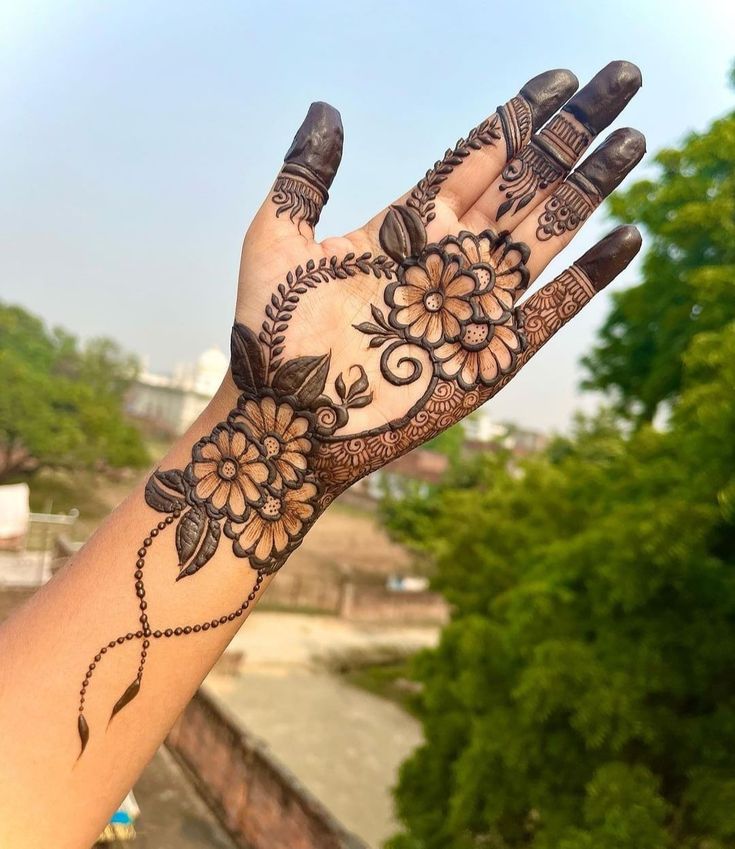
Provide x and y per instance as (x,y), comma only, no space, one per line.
(349,352)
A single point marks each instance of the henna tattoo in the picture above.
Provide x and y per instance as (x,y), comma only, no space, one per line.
(517,122)
(301,201)
(542,163)
(302,188)
(284,301)
(423,196)
(571,205)
(263,475)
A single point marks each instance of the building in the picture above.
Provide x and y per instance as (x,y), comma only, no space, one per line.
(172,402)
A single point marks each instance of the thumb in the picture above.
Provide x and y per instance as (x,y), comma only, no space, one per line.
(302,187)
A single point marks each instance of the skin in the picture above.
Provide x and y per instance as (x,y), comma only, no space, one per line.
(47,645)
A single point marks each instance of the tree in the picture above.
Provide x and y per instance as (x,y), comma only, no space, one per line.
(61,403)
(688,211)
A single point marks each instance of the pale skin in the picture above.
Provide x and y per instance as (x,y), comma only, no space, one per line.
(47,645)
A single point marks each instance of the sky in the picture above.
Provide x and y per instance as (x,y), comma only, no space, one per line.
(138,140)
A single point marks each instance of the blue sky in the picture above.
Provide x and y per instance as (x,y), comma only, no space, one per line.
(139,138)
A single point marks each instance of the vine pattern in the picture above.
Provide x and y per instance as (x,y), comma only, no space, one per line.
(284,301)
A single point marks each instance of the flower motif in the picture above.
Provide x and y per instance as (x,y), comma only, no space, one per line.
(430,299)
(227,472)
(282,432)
(277,525)
(499,265)
(482,354)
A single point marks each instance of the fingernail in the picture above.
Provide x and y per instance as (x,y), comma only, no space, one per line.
(547,92)
(604,261)
(613,160)
(316,150)
(604,97)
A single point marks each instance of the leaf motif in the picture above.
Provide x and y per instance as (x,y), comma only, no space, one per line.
(246,359)
(126,697)
(339,385)
(83,730)
(379,317)
(205,553)
(362,401)
(161,489)
(504,207)
(360,385)
(303,377)
(402,233)
(368,327)
(378,341)
(188,533)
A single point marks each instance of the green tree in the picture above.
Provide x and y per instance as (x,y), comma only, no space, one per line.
(61,402)
(688,210)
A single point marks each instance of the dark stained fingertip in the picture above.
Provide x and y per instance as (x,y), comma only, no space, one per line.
(605,96)
(614,159)
(316,150)
(604,261)
(547,92)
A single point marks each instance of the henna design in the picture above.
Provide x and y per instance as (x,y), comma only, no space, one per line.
(302,187)
(302,201)
(517,122)
(571,205)
(262,476)
(283,302)
(550,156)
(423,196)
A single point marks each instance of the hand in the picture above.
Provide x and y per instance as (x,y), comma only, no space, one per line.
(349,352)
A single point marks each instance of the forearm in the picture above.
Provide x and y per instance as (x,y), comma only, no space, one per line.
(90,613)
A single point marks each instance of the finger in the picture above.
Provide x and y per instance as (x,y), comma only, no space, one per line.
(540,167)
(302,186)
(548,230)
(545,312)
(462,175)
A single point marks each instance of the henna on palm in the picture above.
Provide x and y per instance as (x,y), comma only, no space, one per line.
(446,318)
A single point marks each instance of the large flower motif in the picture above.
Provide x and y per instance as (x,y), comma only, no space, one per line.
(283,434)
(482,354)
(275,527)
(431,298)
(227,473)
(499,265)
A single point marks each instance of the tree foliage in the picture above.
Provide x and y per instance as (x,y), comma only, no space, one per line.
(61,402)
(688,210)
(582,696)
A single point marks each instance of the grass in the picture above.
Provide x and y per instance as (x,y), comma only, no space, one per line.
(390,681)
(383,670)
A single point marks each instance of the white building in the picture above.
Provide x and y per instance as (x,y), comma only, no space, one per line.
(172,403)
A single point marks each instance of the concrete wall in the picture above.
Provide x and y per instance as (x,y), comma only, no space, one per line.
(356,601)
(366,603)
(258,800)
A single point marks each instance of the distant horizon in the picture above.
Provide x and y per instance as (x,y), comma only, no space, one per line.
(140,141)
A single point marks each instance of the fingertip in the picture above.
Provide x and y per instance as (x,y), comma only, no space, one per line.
(316,150)
(546,92)
(604,261)
(603,98)
(614,159)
